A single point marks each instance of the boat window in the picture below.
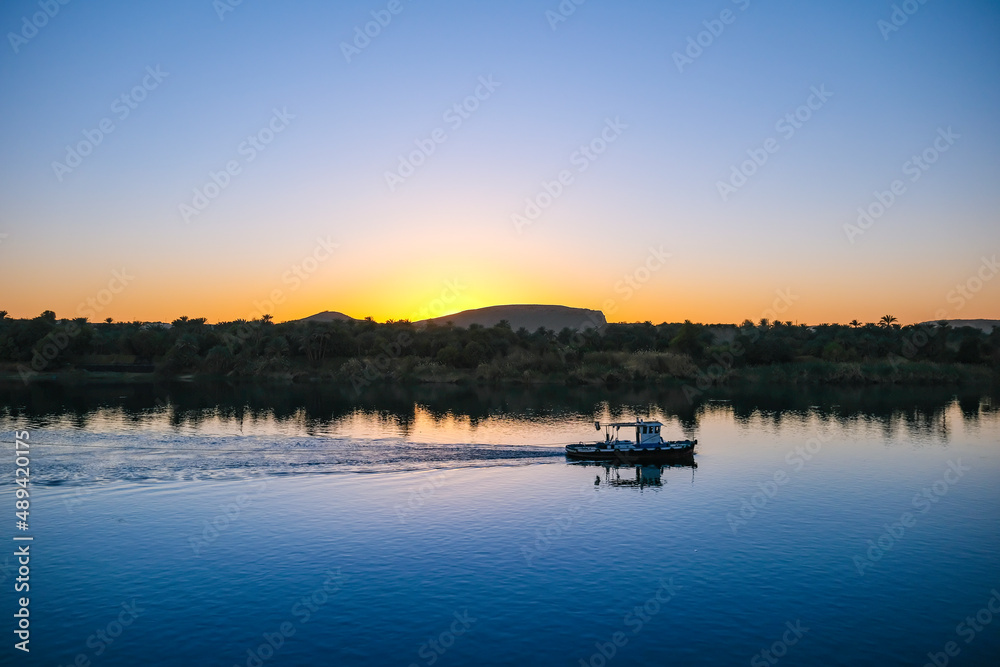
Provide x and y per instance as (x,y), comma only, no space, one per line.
(657,429)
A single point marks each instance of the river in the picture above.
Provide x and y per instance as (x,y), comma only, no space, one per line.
(190,524)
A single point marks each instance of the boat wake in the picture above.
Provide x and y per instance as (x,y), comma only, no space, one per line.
(73,458)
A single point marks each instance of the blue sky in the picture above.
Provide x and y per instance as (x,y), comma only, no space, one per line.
(656,185)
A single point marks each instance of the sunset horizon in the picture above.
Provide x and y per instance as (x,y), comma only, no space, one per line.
(674,172)
(781,306)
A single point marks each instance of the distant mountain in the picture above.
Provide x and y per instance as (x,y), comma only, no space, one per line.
(982,325)
(326,316)
(530,317)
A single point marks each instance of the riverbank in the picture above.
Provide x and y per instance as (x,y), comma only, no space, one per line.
(362,353)
(601,369)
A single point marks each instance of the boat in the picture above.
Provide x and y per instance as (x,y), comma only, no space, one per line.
(648,444)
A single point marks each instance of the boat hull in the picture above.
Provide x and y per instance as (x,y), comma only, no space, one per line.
(676,451)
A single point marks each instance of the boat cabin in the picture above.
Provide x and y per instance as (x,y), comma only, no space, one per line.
(646,432)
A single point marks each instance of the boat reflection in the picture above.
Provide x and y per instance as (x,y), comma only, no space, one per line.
(635,476)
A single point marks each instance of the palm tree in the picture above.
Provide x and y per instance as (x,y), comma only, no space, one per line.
(886,321)
(313,342)
(855,324)
(109,320)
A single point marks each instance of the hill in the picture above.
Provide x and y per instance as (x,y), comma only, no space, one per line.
(985,326)
(530,317)
(326,316)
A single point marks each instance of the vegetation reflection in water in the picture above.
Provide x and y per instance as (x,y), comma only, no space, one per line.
(544,415)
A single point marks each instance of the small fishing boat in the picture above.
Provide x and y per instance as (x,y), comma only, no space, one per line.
(648,444)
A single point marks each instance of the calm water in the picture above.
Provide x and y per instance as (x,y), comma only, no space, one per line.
(182,525)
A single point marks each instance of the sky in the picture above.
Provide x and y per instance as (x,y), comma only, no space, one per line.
(413,158)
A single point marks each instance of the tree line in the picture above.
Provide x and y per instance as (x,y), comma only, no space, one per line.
(365,350)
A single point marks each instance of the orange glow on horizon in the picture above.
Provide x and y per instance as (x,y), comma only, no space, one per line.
(733,311)
(424,280)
